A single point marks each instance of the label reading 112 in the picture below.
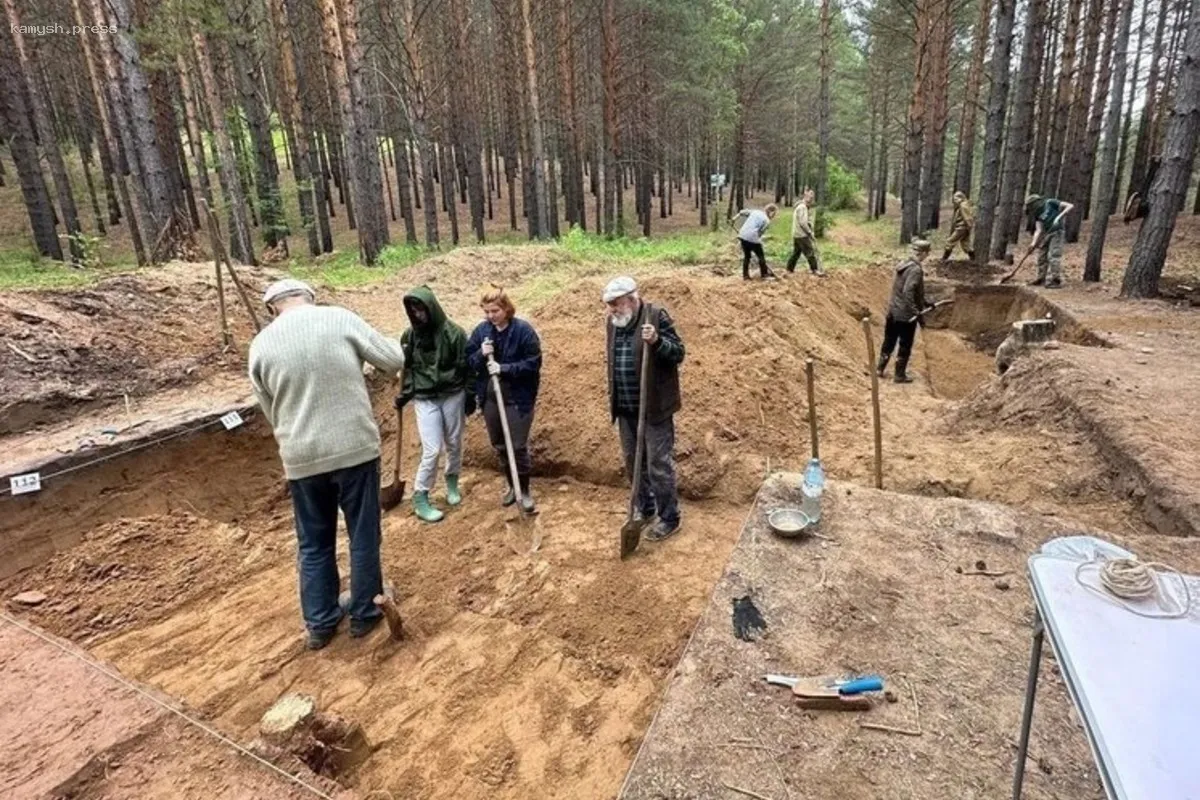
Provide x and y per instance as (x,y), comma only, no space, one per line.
(25,484)
(231,420)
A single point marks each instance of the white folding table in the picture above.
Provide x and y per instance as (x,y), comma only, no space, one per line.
(1134,681)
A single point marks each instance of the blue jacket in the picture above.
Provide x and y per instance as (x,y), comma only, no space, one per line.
(519,352)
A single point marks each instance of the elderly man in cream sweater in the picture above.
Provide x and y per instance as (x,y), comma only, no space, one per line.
(307,371)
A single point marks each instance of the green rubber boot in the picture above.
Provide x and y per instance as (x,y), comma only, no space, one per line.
(453,495)
(424,509)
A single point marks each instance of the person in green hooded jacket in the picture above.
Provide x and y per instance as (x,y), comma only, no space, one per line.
(435,380)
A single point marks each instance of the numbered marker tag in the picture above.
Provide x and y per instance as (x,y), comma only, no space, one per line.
(231,420)
(25,484)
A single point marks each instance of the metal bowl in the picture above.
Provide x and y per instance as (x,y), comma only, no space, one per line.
(788,522)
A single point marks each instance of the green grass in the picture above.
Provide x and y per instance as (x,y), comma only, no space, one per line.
(343,269)
(22,269)
(683,249)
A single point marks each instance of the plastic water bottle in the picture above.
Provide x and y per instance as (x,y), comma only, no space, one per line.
(811,488)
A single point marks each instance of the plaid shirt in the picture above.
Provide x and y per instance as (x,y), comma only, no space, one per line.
(625,375)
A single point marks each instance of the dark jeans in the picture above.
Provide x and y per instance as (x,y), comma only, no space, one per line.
(518,425)
(901,331)
(657,491)
(316,500)
(753,249)
(803,246)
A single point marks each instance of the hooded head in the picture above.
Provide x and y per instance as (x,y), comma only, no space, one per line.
(424,311)
(958,198)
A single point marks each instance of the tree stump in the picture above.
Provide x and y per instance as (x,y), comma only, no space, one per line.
(293,730)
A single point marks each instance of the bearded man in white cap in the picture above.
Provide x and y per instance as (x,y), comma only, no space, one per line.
(307,371)
(636,331)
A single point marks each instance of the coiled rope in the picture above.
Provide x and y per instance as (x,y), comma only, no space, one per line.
(1126,579)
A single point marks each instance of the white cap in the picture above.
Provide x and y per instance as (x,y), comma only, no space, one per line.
(287,288)
(619,287)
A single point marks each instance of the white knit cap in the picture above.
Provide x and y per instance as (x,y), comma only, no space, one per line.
(619,287)
(287,288)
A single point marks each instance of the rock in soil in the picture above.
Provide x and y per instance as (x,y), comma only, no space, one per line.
(30,598)
(1002,584)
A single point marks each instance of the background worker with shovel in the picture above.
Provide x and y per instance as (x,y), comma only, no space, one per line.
(905,308)
(505,346)
(638,331)
(1047,214)
(436,379)
(306,368)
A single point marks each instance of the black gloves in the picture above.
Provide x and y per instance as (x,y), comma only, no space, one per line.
(402,400)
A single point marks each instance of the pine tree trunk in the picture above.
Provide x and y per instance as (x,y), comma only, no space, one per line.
(24,152)
(1123,152)
(47,137)
(825,66)
(240,247)
(159,210)
(289,105)
(884,138)
(537,140)
(989,192)
(195,133)
(968,126)
(1112,137)
(1072,178)
(1170,185)
(446,170)
(1096,120)
(918,113)
(573,160)
(1045,100)
(938,117)
(361,136)
(266,169)
(1141,150)
(404,188)
(611,128)
(467,115)
(1020,131)
(1064,97)
(112,136)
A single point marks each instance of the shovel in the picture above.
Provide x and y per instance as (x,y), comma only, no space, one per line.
(392,494)
(1017,268)
(631,531)
(513,475)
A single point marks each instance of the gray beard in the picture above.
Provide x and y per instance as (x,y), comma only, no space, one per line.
(620,321)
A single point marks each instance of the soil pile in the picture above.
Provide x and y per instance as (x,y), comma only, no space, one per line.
(128,335)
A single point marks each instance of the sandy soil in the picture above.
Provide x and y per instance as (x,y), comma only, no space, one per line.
(73,733)
(530,673)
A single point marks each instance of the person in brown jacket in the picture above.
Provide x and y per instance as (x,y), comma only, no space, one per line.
(904,311)
(961,225)
(636,328)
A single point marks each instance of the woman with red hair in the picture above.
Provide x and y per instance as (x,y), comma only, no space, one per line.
(516,356)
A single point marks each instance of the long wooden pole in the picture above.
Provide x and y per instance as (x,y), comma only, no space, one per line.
(866,323)
(219,253)
(812,406)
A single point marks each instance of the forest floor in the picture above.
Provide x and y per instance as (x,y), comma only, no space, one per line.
(537,674)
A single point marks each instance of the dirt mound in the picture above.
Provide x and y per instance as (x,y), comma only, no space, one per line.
(743,378)
(1061,394)
(128,335)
